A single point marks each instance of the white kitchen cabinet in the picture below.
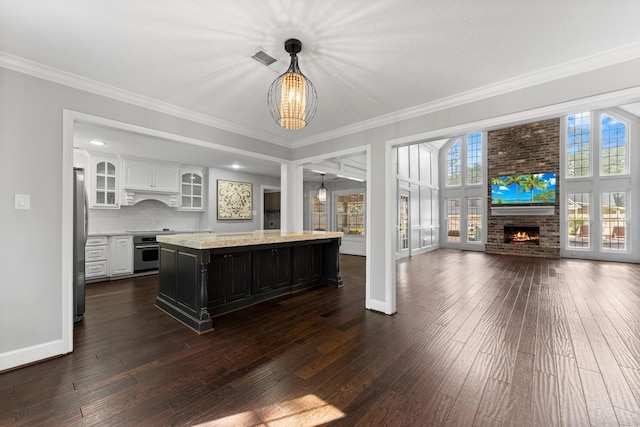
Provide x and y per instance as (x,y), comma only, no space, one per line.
(151,176)
(120,255)
(96,257)
(192,189)
(104,182)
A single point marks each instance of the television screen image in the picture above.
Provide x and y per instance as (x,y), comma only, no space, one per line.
(526,189)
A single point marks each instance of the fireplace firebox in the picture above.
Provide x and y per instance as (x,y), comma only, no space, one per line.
(522,235)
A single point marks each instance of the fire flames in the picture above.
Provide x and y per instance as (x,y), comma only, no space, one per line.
(521,236)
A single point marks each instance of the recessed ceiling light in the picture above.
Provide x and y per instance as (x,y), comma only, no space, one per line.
(236,166)
(96,142)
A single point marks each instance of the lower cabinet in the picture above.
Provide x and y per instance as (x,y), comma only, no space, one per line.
(306,265)
(120,255)
(229,277)
(271,269)
(96,256)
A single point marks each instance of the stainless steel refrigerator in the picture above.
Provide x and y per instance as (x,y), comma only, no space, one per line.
(80,228)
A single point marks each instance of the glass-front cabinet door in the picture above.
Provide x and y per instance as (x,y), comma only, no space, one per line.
(105,183)
(191,189)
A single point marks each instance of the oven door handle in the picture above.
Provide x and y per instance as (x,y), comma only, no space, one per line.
(148,247)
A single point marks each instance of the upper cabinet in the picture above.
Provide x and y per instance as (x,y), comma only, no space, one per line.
(151,176)
(104,182)
(192,189)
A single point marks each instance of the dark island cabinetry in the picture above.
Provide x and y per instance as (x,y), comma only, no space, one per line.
(196,284)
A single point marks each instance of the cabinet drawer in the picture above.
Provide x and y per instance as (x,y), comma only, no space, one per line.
(95,253)
(96,240)
(96,269)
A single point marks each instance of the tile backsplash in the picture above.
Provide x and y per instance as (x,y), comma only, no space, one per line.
(144,215)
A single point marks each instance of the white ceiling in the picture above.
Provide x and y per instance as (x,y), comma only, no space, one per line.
(369,60)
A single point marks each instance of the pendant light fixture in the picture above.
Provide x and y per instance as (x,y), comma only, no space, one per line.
(322,191)
(292,98)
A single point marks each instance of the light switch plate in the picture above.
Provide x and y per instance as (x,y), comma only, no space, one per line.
(23,201)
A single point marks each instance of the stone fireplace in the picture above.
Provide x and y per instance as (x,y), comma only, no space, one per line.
(526,149)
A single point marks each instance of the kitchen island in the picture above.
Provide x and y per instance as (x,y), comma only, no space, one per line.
(207,274)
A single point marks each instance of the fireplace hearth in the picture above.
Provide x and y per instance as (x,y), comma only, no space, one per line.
(522,235)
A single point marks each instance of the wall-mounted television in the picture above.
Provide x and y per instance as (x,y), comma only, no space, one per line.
(524,189)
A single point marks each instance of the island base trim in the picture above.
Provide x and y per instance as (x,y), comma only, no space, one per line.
(199,326)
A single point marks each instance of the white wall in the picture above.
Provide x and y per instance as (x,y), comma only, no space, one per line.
(34,160)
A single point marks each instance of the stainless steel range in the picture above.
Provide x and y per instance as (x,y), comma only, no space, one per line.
(145,253)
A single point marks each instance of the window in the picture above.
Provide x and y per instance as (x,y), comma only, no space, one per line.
(464,193)
(613,152)
(350,213)
(454,165)
(578,217)
(597,204)
(579,145)
(453,220)
(613,221)
(404,221)
(318,214)
(474,219)
(474,158)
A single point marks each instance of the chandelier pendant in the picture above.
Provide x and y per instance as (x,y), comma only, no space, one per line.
(292,98)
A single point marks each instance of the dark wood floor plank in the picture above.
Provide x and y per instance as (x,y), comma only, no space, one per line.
(478,339)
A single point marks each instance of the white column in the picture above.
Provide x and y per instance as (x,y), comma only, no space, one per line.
(291,198)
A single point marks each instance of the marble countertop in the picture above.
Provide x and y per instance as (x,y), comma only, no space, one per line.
(224,240)
(137,232)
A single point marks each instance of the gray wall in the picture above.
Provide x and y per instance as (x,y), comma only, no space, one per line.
(227,226)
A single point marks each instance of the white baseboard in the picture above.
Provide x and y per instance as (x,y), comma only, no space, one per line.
(24,356)
(380,306)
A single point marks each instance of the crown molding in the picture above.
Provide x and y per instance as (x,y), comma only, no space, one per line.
(45,72)
(567,69)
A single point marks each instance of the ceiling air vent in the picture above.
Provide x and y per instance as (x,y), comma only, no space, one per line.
(264,58)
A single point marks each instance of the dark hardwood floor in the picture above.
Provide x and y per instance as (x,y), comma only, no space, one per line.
(478,340)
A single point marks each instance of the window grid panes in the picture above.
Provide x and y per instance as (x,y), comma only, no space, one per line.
(404,222)
(614,146)
(613,221)
(474,219)
(474,158)
(453,220)
(578,216)
(579,144)
(454,165)
(319,214)
(350,213)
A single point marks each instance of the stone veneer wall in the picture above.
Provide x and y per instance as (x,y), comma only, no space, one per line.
(525,149)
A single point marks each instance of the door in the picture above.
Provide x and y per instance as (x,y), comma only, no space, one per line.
(404,225)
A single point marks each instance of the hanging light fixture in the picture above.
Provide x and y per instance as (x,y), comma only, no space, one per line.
(322,191)
(292,98)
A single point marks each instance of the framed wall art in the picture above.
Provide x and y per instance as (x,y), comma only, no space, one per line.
(234,199)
